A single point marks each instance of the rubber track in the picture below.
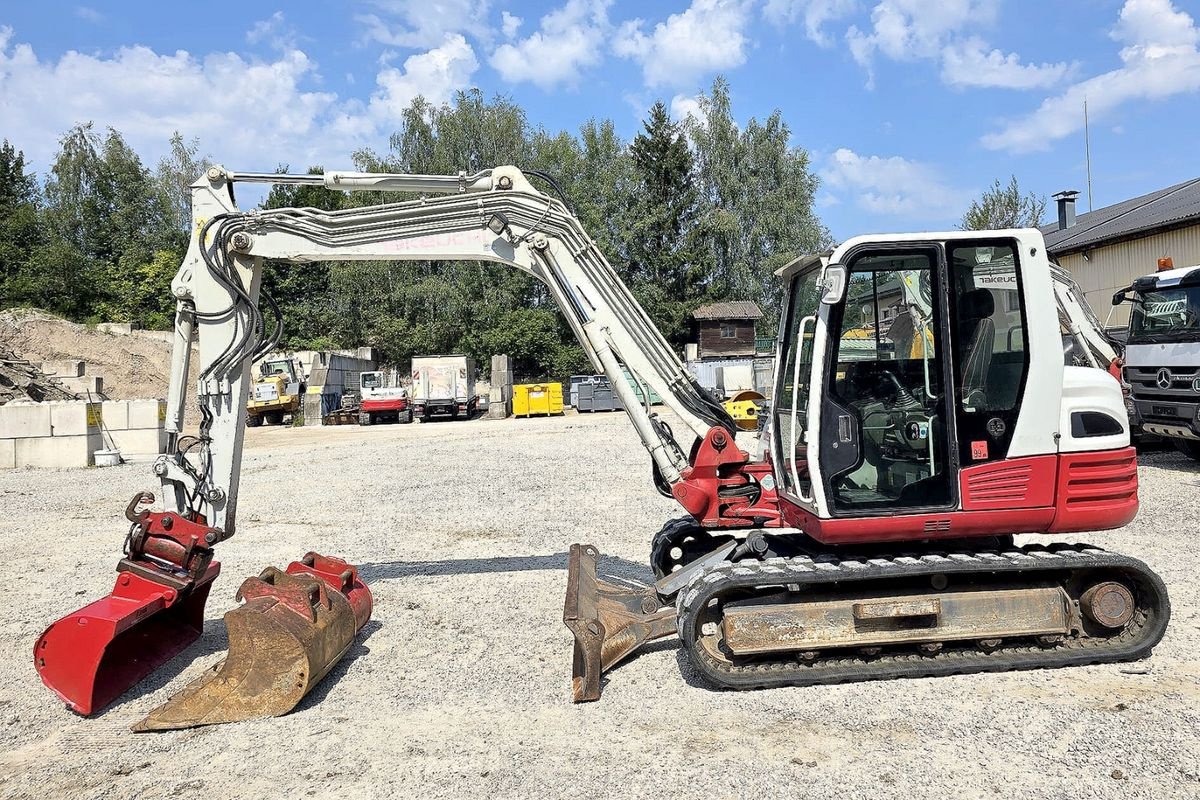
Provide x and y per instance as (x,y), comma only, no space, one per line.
(1135,642)
(665,539)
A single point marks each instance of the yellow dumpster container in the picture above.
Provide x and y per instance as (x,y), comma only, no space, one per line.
(541,399)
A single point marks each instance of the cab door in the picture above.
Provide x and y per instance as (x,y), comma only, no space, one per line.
(887,438)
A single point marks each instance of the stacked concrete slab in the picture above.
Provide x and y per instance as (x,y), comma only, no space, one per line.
(501,394)
(135,427)
(51,435)
(73,374)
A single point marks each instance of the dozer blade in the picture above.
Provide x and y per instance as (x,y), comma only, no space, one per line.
(91,657)
(291,630)
(609,622)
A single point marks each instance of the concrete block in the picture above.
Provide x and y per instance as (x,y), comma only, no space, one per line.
(140,442)
(312,405)
(66,368)
(119,328)
(88,383)
(74,418)
(115,414)
(58,452)
(147,414)
(8,453)
(25,420)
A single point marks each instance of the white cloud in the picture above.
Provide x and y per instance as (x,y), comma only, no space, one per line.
(510,24)
(707,37)
(89,14)
(1160,58)
(570,39)
(684,106)
(435,74)
(249,113)
(893,186)
(905,30)
(815,13)
(274,31)
(425,24)
(970,63)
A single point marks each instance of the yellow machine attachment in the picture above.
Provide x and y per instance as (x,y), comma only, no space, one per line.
(745,407)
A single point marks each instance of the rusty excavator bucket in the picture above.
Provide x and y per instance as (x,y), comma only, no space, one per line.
(609,622)
(290,631)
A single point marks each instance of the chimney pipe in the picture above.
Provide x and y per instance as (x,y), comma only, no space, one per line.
(1066,208)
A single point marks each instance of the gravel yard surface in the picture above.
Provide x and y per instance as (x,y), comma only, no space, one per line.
(459,686)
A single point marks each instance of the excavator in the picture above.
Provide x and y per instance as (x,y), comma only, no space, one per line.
(922,415)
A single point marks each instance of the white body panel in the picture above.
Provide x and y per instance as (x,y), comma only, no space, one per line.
(1087,389)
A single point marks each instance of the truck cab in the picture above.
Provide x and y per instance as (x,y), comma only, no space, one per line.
(1162,354)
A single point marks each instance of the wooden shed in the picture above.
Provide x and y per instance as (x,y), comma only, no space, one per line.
(726,330)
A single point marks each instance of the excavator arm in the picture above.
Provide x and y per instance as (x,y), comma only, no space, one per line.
(495,216)
(1079,320)
(157,608)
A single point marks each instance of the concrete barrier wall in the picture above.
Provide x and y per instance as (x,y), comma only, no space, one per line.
(136,427)
(52,435)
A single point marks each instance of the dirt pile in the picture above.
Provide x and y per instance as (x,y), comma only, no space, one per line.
(132,365)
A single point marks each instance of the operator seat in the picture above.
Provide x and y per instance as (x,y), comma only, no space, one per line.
(977,330)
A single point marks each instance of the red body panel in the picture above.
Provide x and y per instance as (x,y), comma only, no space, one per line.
(1015,483)
(1038,494)
(1096,491)
(388,404)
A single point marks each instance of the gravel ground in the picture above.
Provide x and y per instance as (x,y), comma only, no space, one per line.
(459,686)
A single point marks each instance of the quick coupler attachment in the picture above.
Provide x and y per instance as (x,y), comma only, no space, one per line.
(292,628)
(609,622)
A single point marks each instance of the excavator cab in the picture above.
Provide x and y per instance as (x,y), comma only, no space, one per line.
(922,415)
(900,365)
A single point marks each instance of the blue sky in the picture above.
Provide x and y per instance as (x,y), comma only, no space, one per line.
(908,107)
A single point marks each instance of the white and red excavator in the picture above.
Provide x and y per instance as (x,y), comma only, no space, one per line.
(922,415)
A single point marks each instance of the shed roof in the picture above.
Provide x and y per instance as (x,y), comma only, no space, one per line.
(730,309)
(1167,208)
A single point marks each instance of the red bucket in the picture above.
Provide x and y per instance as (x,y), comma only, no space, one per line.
(91,657)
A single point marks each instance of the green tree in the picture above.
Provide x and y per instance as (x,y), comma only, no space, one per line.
(175,175)
(667,267)
(19,224)
(105,223)
(756,201)
(1002,207)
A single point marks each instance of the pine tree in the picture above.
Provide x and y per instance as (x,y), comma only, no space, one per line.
(665,262)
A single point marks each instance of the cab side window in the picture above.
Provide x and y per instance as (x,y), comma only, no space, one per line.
(989,335)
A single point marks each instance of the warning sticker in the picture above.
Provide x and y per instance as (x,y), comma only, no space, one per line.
(979,450)
(94,417)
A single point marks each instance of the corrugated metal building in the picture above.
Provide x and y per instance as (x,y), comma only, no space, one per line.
(1106,249)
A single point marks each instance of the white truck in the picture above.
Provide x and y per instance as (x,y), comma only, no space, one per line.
(1162,355)
(443,386)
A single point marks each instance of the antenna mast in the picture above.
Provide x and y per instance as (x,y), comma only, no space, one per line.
(1087,149)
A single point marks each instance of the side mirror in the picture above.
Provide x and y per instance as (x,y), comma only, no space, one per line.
(833,284)
(1119,297)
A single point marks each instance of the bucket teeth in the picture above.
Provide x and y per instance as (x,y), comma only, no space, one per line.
(290,631)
